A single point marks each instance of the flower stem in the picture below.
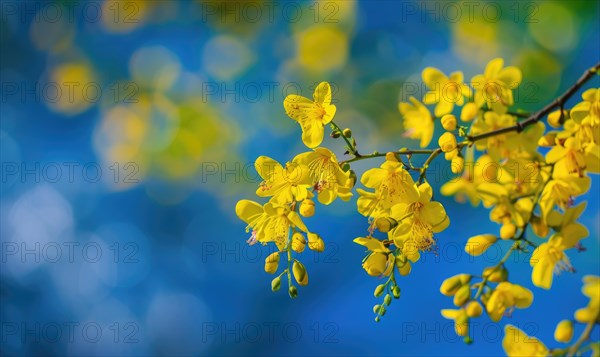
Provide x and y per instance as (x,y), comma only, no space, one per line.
(351,147)
(571,351)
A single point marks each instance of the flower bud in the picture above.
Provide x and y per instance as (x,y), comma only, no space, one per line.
(335,134)
(307,208)
(539,227)
(450,155)
(474,309)
(547,140)
(376,264)
(447,142)
(272,263)
(495,275)
(276,284)
(478,244)
(379,290)
(457,165)
(300,273)
(554,118)
(463,294)
(469,112)
(293,292)
(564,331)
(451,285)
(508,230)
(376,309)
(298,242)
(347,133)
(396,292)
(461,324)
(315,242)
(385,224)
(387,299)
(449,122)
(391,156)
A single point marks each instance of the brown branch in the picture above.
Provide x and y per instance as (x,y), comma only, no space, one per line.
(558,103)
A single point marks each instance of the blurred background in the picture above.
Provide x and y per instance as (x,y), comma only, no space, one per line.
(128,133)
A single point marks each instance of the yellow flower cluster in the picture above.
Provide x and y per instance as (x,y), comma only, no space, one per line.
(291,189)
(528,178)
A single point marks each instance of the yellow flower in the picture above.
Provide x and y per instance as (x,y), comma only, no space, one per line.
(326,175)
(589,109)
(315,242)
(298,242)
(571,155)
(418,121)
(498,146)
(591,289)
(549,257)
(445,91)
(516,343)
(270,223)
(312,115)
(392,184)
(451,285)
(461,320)
(465,186)
(307,208)
(469,112)
(287,184)
(495,85)
(417,222)
(560,191)
(505,297)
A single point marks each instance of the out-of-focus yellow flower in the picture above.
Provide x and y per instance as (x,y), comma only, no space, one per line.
(286,184)
(417,222)
(312,115)
(474,309)
(326,175)
(469,112)
(591,289)
(560,191)
(589,109)
(516,343)
(418,122)
(564,331)
(495,85)
(449,122)
(76,88)
(478,244)
(270,223)
(474,174)
(445,91)
(451,285)
(498,146)
(392,184)
(507,296)
(322,48)
(447,142)
(461,320)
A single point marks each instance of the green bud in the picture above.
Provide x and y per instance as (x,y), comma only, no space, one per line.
(335,134)
(387,299)
(293,292)
(379,290)
(396,292)
(468,340)
(347,133)
(451,285)
(377,319)
(276,284)
(376,309)
(345,167)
